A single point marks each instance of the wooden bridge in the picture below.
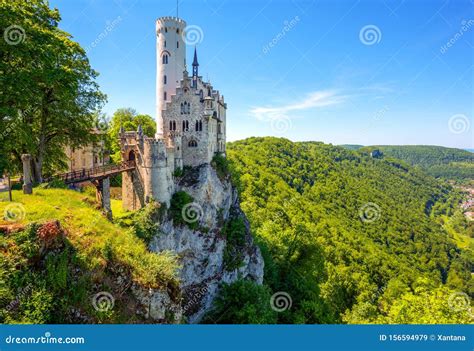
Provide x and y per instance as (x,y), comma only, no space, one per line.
(96,173)
(100,177)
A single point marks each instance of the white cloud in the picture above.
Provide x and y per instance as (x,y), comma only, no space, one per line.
(313,100)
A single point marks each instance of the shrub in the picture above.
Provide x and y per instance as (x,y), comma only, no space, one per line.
(147,220)
(221,165)
(243,302)
(234,231)
(178,201)
(50,234)
(53,184)
(179,172)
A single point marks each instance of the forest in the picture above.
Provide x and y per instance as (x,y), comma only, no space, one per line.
(438,161)
(351,238)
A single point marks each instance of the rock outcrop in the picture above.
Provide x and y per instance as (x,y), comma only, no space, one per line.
(202,251)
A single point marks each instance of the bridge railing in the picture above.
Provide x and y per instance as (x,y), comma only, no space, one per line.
(96,172)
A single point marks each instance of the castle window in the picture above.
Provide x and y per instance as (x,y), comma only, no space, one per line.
(185,108)
(166,30)
(177,44)
(192,143)
(201,95)
(177,31)
(165,59)
(198,126)
(164,96)
(185,126)
(172,125)
(165,43)
(164,79)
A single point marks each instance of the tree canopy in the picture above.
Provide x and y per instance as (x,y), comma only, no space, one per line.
(351,238)
(129,119)
(49,94)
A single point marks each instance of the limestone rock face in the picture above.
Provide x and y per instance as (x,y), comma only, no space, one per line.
(201,251)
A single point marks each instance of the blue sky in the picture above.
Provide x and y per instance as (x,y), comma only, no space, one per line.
(342,72)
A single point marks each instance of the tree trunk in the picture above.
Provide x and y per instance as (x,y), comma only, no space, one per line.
(38,169)
(9,188)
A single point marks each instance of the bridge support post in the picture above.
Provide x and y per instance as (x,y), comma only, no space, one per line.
(27,179)
(103,196)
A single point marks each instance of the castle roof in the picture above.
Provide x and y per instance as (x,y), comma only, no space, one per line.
(195,61)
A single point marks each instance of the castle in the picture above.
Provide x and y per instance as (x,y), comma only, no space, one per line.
(190,119)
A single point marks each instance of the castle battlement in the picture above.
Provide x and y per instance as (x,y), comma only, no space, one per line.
(166,19)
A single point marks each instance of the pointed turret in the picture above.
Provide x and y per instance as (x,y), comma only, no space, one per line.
(195,68)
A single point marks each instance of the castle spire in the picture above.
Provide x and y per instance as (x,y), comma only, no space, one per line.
(195,68)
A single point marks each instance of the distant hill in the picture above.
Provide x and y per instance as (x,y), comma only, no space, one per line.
(349,237)
(352,146)
(438,161)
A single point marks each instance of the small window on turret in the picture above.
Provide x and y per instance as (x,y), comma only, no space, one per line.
(165,43)
(177,31)
(177,44)
(192,143)
(164,79)
(164,96)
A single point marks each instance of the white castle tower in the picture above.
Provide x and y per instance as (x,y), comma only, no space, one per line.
(170,63)
(190,118)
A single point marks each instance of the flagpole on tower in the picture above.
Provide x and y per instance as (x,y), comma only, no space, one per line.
(177,8)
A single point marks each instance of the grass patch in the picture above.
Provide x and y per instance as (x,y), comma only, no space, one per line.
(89,232)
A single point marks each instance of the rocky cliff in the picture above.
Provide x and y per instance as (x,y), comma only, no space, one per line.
(208,256)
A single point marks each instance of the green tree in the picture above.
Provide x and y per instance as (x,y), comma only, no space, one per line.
(243,302)
(49,93)
(129,120)
(346,235)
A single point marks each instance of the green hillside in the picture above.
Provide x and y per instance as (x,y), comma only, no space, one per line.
(351,238)
(58,253)
(437,161)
